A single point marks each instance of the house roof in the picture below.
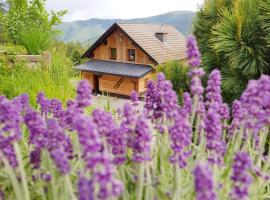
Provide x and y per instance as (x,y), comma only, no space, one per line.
(144,36)
(115,68)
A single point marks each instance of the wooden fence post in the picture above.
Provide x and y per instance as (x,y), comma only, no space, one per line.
(46,59)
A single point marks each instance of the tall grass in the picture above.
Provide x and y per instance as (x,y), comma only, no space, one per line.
(36,40)
(55,81)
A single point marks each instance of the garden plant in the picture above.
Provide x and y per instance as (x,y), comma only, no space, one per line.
(198,150)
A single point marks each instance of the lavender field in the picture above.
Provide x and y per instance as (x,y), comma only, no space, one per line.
(201,150)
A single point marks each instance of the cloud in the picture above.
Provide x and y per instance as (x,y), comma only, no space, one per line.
(85,9)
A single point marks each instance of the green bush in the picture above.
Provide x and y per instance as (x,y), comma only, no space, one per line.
(176,72)
(12,49)
(36,39)
(29,24)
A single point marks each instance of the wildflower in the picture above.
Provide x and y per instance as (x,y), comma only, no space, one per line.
(141,144)
(161,101)
(37,128)
(57,139)
(240,176)
(181,136)
(213,128)
(213,89)
(118,142)
(134,98)
(84,94)
(44,103)
(187,103)
(97,159)
(46,177)
(35,158)
(193,53)
(255,102)
(56,108)
(85,189)
(10,132)
(61,160)
(89,139)
(237,115)
(204,184)
(104,122)
(22,101)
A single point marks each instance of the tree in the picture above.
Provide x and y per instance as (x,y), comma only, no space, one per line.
(30,15)
(233,36)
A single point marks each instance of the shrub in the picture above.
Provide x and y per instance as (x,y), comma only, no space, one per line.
(176,72)
(36,39)
(12,49)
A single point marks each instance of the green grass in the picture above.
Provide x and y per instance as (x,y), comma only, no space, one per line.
(55,81)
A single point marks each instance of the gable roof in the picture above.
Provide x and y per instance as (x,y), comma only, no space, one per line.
(144,36)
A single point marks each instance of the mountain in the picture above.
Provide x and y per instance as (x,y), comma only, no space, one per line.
(87,31)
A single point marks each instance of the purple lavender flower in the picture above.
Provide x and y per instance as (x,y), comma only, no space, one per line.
(193,53)
(7,149)
(187,102)
(213,89)
(46,177)
(128,123)
(204,184)
(61,160)
(22,101)
(104,122)
(57,139)
(89,139)
(181,136)
(240,176)
(161,101)
(10,132)
(84,94)
(10,118)
(85,189)
(56,108)
(35,158)
(196,87)
(255,102)
(213,128)
(141,144)
(44,103)
(238,116)
(118,142)
(134,98)
(37,128)
(96,157)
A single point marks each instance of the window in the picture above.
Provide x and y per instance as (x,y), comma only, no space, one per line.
(113,53)
(131,54)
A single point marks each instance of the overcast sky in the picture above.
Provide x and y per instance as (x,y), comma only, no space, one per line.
(125,9)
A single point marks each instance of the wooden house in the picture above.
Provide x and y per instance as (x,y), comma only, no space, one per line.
(125,57)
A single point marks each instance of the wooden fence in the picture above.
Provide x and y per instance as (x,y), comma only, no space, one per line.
(44,59)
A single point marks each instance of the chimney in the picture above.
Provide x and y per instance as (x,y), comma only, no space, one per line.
(161,35)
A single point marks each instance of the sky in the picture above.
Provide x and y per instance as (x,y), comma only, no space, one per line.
(124,9)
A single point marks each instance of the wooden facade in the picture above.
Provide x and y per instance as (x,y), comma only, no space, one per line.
(119,40)
(117,84)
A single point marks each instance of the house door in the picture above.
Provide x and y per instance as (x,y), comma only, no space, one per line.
(96,83)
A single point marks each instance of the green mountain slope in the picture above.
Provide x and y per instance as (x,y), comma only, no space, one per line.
(86,32)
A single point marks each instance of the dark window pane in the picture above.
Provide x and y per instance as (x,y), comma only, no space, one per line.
(113,53)
(131,54)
